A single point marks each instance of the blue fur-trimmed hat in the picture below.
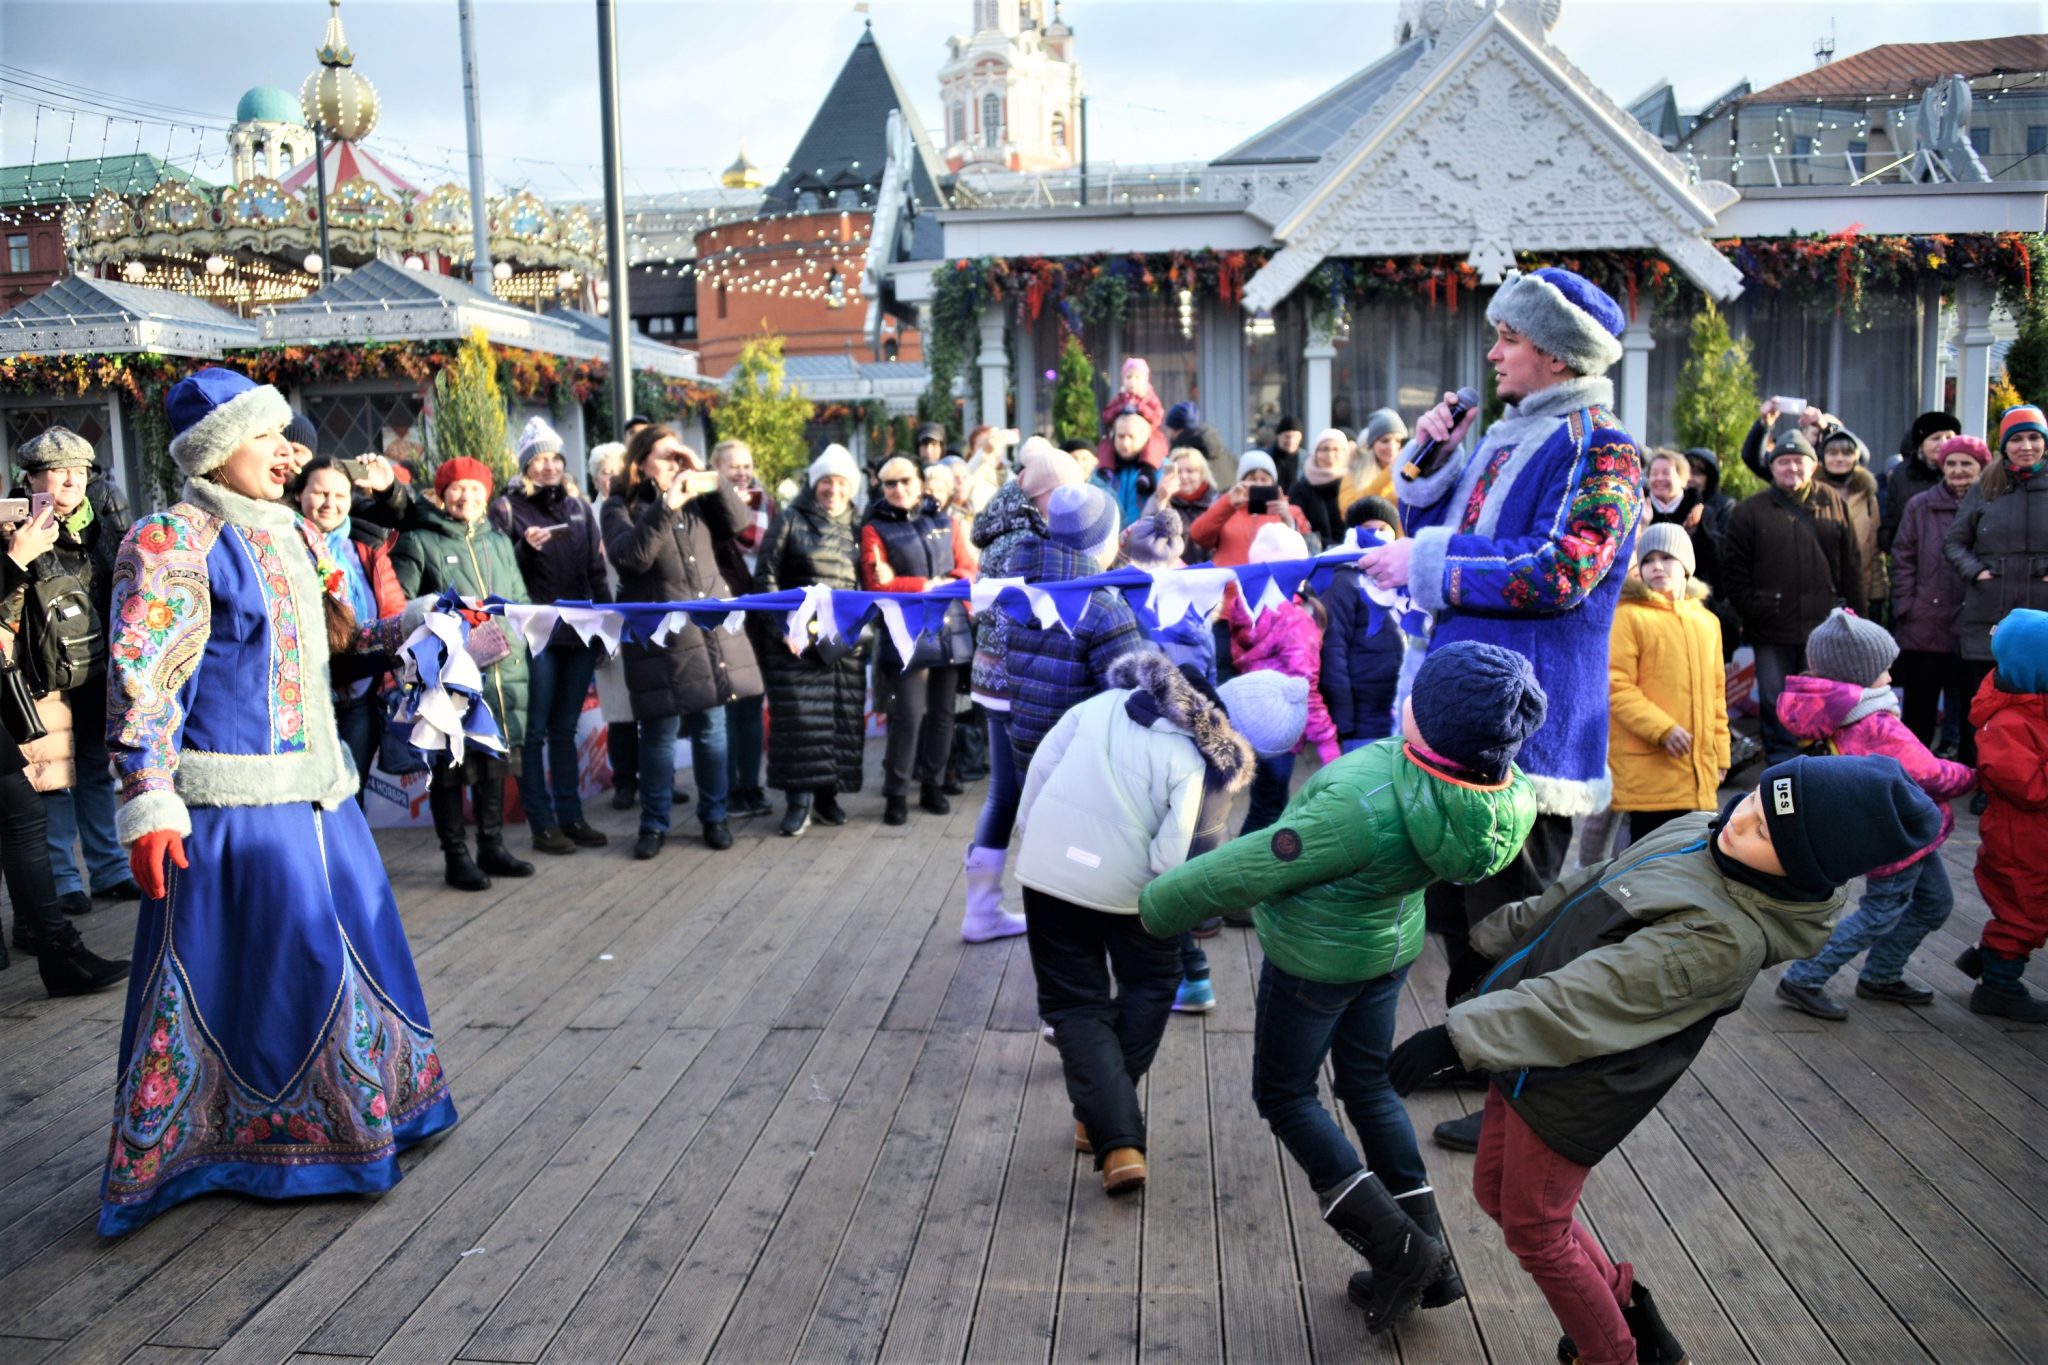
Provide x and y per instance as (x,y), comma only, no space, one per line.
(215,410)
(1564,315)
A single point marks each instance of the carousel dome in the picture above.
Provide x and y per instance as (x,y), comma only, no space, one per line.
(337,99)
(267,104)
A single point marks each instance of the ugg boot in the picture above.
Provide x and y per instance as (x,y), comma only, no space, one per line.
(1405,1259)
(488,796)
(986,918)
(2001,995)
(444,799)
(1447,1288)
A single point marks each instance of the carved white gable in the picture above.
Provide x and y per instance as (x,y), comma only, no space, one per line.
(1491,144)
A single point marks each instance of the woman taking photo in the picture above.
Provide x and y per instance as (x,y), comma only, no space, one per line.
(662,532)
(451,545)
(908,545)
(817,697)
(560,555)
(1999,544)
(236,812)
(355,558)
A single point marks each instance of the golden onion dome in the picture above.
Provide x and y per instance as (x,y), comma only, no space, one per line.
(742,174)
(336,98)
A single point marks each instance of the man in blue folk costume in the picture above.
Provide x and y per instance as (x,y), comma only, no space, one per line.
(1523,542)
(276,1042)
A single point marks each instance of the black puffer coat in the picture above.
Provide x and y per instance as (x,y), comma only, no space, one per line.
(817,705)
(2008,536)
(665,554)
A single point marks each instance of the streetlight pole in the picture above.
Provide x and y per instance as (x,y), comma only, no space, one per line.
(320,180)
(614,213)
(473,115)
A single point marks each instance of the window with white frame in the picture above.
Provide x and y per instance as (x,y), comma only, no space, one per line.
(992,120)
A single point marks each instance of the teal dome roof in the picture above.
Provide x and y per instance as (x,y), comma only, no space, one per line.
(268,104)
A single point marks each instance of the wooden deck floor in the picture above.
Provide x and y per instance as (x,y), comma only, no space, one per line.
(765,1106)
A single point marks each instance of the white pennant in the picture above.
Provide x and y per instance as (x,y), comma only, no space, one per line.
(982,593)
(816,607)
(899,629)
(1177,591)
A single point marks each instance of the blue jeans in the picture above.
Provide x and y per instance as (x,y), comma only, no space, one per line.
(557,682)
(360,721)
(1271,778)
(1194,963)
(706,732)
(84,814)
(999,811)
(1896,912)
(1773,663)
(743,744)
(1296,1025)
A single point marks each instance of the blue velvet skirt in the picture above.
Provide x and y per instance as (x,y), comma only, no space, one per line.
(276,1042)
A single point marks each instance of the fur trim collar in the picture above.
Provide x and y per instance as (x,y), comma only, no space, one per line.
(218,500)
(205,445)
(1177,702)
(1633,589)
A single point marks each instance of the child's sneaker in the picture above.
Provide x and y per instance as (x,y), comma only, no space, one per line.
(1194,997)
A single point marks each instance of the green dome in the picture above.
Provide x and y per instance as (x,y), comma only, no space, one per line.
(268,104)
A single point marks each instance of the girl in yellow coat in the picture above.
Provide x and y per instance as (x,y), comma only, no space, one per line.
(1667,738)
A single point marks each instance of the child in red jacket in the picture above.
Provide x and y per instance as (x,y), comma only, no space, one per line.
(1845,699)
(2011,716)
(1287,638)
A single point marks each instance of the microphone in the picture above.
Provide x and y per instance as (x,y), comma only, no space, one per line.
(1431,454)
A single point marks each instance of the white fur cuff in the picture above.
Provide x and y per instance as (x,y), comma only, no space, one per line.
(205,445)
(152,810)
(1426,568)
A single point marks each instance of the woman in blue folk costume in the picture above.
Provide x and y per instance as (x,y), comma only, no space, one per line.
(276,1042)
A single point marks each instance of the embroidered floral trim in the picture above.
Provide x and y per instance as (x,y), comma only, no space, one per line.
(163,616)
(179,1108)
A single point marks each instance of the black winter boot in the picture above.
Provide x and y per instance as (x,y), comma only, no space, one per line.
(68,967)
(2000,993)
(1654,1343)
(444,799)
(488,797)
(1405,1259)
(828,808)
(933,799)
(1447,1288)
(797,818)
(895,810)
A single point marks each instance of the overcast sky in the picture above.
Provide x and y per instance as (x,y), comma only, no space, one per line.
(1168,80)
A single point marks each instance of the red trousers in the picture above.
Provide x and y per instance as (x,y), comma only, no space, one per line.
(1531,1192)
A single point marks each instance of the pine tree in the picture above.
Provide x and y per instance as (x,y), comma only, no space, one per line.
(469,410)
(760,409)
(1073,397)
(2026,360)
(1717,399)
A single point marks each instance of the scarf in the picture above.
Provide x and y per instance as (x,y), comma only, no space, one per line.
(1667,508)
(355,583)
(2020,474)
(80,518)
(1875,699)
(1319,476)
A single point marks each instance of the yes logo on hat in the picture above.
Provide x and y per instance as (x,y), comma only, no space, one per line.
(1781,795)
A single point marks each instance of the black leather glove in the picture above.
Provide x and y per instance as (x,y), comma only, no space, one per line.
(1467,972)
(1427,1054)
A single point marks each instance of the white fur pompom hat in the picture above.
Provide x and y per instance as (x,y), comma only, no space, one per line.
(215,410)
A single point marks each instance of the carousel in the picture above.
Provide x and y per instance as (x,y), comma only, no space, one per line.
(300,164)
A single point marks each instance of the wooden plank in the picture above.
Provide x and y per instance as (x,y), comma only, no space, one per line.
(1781,1149)
(772,1302)
(929,1318)
(1262,1305)
(27,1350)
(1181,1278)
(1011,1322)
(1962,1071)
(611,1310)
(1096,1318)
(473,1285)
(1957,1249)
(527,1318)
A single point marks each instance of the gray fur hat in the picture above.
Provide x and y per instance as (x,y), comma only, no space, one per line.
(1564,315)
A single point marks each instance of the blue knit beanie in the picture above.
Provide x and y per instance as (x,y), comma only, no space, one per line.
(1182,415)
(1082,517)
(1832,819)
(2020,645)
(1475,703)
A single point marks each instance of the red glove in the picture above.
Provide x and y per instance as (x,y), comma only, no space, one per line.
(146,860)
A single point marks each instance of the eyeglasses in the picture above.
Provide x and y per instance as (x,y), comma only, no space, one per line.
(897,483)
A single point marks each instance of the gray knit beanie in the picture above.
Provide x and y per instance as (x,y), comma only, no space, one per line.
(1383,422)
(1847,648)
(1668,537)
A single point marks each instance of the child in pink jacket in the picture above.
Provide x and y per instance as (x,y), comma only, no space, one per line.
(1845,698)
(1287,638)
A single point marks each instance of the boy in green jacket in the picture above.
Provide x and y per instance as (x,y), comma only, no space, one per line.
(1335,889)
(1606,988)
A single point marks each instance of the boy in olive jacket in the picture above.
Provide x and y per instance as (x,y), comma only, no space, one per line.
(1601,991)
(1335,888)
